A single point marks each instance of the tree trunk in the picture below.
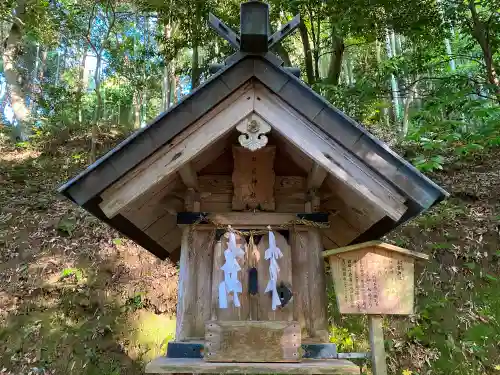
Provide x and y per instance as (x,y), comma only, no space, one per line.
(97,113)
(144,113)
(137,110)
(351,81)
(335,66)
(175,83)
(378,55)
(165,87)
(195,68)
(80,87)
(406,114)
(480,32)
(394,82)
(58,67)
(38,82)
(195,35)
(12,77)
(449,52)
(304,36)
(316,47)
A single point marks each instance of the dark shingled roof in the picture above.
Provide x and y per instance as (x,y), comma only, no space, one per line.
(84,189)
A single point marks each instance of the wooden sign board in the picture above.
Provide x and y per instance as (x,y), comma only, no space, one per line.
(374,278)
(252,341)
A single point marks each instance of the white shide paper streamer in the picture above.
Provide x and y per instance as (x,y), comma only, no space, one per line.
(231,284)
(273,254)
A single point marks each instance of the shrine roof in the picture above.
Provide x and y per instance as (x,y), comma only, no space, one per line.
(419,191)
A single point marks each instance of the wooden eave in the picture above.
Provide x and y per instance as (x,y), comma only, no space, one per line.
(376,244)
(392,172)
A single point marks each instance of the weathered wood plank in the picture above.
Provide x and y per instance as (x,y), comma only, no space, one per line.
(252,341)
(316,176)
(300,275)
(359,212)
(162,226)
(253,178)
(318,318)
(284,276)
(290,186)
(152,206)
(171,241)
(298,157)
(212,155)
(340,231)
(216,192)
(204,242)
(194,293)
(186,299)
(252,219)
(164,365)
(376,334)
(176,154)
(216,184)
(327,154)
(188,176)
(317,288)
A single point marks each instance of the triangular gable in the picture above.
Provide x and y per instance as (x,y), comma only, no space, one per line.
(259,102)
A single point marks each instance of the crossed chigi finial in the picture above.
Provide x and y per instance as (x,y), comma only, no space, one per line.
(254,29)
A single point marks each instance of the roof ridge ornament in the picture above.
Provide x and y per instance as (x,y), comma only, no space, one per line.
(254,28)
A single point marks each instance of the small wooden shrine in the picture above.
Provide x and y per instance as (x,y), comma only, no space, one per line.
(246,182)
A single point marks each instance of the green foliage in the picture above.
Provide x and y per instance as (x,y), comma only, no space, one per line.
(66,225)
(342,338)
(76,273)
(428,164)
(118,241)
(135,302)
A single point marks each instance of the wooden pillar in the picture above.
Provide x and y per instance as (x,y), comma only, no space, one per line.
(300,279)
(318,319)
(195,274)
(377,348)
(185,324)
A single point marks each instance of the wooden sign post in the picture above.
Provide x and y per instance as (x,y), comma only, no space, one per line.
(377,279)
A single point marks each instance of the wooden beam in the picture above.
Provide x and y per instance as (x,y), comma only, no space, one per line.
(257,219)
(177,154)
(316,176)
(327,153)
(189,176)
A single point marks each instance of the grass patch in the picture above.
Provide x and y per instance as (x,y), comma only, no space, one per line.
(150,335)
